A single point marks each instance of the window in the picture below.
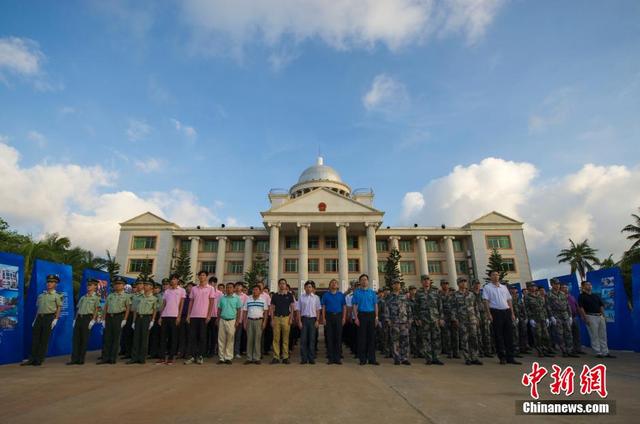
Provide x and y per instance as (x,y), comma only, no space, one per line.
(139,265)
(330,243)
(457,245)
(382,266)
(290,265)
(185,245)
(330,265)
(142,243)
(461,267)
(210,246)
(382,246)
(405,245)
(234,267)
(407,267)
(236,246)
(509,264)
(352,242)
(433,246)
(314,265)
(354,265)
(209,267)
(262,246)
(498,242)
(435,267)
(314,242)
(291,242)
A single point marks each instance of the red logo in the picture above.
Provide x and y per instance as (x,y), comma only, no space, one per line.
(322,206)
(592,380)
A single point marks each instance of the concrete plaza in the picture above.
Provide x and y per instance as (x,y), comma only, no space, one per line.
(454,393)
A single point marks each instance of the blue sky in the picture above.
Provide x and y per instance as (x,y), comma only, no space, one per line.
(223,101)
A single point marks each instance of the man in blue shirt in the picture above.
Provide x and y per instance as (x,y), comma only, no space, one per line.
(334,316)
(365,308)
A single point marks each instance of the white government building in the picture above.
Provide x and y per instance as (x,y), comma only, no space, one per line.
(320,229)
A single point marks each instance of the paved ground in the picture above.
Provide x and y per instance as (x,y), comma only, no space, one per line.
(55,393)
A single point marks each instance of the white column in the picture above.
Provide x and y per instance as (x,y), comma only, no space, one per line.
(274,265)
(248,254)
(193,255)
(220,258)
(422,255)
(343,260)
(372,254)
(451,262)
(303,255)
(394,242)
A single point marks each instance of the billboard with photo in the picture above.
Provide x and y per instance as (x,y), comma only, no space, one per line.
(11,307)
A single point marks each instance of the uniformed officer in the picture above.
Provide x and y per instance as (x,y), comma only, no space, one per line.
(429,318)
(450,340)
(116,312)
(155,338)
(466,318)
(560,317)
(537,320)
(49,304)
(487,348)
(515,324)
(143,321)
(86,314)
(127,332)
(398,318)
(414,339)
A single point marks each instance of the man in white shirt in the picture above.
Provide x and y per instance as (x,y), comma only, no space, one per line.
(309,308)
(497,300)
(254,321)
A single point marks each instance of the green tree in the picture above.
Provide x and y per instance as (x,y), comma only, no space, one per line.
(629,258)
(109,265)
(496,264)
(145,272)
(607,263)
(182,266)
(634,229)
(392,269)
(257,272)
(580,257)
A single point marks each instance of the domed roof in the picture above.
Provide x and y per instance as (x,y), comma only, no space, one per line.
(319,171)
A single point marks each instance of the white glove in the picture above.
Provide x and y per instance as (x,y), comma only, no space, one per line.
(546,322)
(517,321)
(553,320)
(33,324)
(91,324)
(532,323)
(123,323)
(570,321)
(150,325)
(133,326)
(54,322)
(73,324)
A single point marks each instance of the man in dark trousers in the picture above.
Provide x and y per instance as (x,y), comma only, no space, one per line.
(48,311)
(334,316)
(365,309)
(86,314)
(143,321)
(116,312)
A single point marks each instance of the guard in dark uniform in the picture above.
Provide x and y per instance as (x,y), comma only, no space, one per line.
(48,304)
(116,312)
(143,318)
(154,334)
(87,311)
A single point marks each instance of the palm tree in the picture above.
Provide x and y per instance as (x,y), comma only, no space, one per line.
(108,264)
(607,263)
(634,229)
(580,256)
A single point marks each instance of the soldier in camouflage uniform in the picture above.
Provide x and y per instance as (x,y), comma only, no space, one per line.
(466,319)
(414,333)
(558,305)
(429,318)
(549,329)
(398,319)
(523,332)
(515,324)
(537,319)
(380,329)
(486,346)
(450,341)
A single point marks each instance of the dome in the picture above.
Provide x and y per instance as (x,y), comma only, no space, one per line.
(319,171)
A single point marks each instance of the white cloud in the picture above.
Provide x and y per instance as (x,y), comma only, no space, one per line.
(183,129)
(554,111)
(341,24)
(20,56)
(75,201)
(137,130)
(37,138)
(386,94)
(593,203)
(149,165)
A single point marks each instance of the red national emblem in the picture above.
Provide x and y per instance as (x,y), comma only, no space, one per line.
(594,380)
(322,206)
(562,380)
(532,379)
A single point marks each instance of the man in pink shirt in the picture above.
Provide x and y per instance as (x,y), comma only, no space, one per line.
(201,301)
(169,321)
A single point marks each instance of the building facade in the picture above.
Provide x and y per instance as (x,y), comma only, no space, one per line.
(318,230)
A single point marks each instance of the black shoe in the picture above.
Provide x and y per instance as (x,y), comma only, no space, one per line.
(549,355)
(303,362)
(71,363)
(26,363)
(338,362)
(503,361)
(610,356)
(406,362)
(581,352)
(374,363)
(248,362)
(312,362)
(220,362)
(286,361)
(275,361)
(102,362)
(477,362)
(514,362)
(489,356)
(129,362)
(228,362)
(258,362)
(467,362)
(363,363)
(396,362)
(437,362)
(428,362)
(456,356)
